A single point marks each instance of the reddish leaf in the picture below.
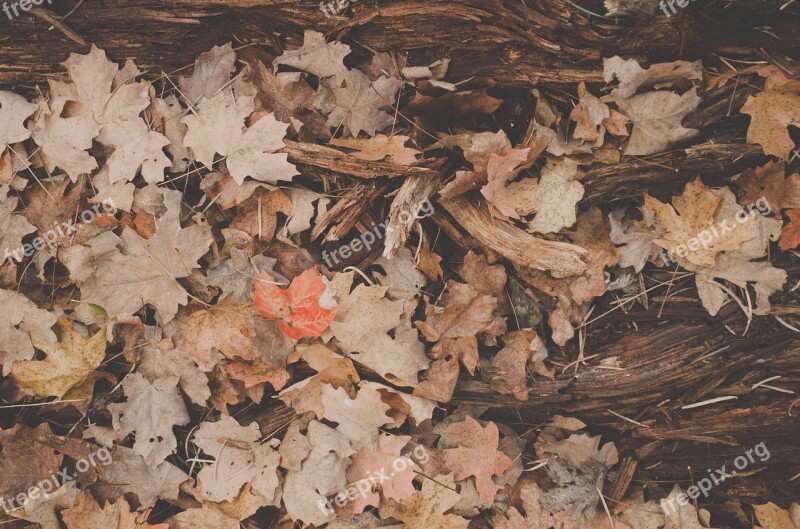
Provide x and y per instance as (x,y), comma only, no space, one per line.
(790,236)
(297,306)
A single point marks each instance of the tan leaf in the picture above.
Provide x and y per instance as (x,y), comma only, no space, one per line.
(511,362)
(20,317)
(69,362)
(426,508)
(239,458)
(557,197)
(26,459)
(682,516)
(362,325)
(631,76)
(773,517)
(151,411)
(212,72)
(657,120)
(535,517)
(135,147)
(379,147)
(12,227)
(128,473)
(147,272)
(768,188)
(164,359)
(317,57)
(464,312)
(87,514)
(476,455)
(772,112)
(14,110)
(282,94)
(203,518)
(691,214)
(359,100)
(637,245)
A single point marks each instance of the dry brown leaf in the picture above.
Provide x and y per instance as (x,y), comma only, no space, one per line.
(128,473)
(164,359)
(772,112)
(26,459)
(147,272)
(317,57)
(212,72)
(69,363)
(556,197)
(768,188)
(359,102)
(535,517)
(151,411)
(20,317)
(87,514)
(773,517)
(511,362)
(379,147)
(657,119)
(631,76)
(239,458)
(362,325)
(426,508)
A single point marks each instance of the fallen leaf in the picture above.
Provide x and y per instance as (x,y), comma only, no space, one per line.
(768,188)
(772,112)
(20,317)
(657,119)
(298,307)
(129,473)
(379,147)
(69,362)
(790,236)
(212,72)
(773,517)
(557,196)
(87,514)
(151,411)
(427,508)
(317,57)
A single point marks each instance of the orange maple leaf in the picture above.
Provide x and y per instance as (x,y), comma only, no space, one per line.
(790,236)
(297,307)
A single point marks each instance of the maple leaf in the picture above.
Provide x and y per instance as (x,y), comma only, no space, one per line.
(594,117)
(20,317)
(218,127)
(657,120)
(362,326)
(87,514)
(129,473)
(682,516)
(69,362)
(359,100)
(239,458)
(212,72)
(283,94)
(790,236)
(164,359)
(151,411)
(476,455)
(324,456)
(147,272)
(64,141)
(426,508)
(26,459)
(223,328)
(772,112)
(691,214)
(316,56)
(768,188)
(136,147)
(371,461)
(631,76)
(165,117)
(297,307)
(514,199)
